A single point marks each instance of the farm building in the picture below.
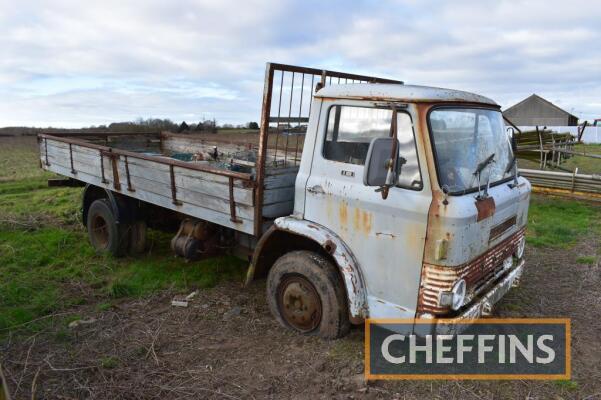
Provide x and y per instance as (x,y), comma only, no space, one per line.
(534,110)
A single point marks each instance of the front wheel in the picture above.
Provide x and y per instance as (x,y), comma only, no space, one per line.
(305,293)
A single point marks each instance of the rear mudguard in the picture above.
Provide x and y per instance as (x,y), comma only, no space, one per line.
(123,208)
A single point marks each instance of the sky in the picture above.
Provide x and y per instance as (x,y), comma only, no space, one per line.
(78,63)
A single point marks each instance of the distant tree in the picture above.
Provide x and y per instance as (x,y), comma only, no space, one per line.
(183,127)
(206,126)
(253,125)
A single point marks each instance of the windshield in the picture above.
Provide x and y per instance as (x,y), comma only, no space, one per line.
(464,139)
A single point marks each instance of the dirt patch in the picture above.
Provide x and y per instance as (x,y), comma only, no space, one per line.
(226,345)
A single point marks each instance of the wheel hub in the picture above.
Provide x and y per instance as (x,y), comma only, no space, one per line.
(299,303)
(100,231)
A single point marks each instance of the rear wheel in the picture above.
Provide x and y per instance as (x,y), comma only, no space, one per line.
(305,294)
(105,235)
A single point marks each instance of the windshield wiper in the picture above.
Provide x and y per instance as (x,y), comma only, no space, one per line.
(478,172)
(484,164)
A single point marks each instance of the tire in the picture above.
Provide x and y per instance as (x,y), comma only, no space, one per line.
(106,236)
(305,294)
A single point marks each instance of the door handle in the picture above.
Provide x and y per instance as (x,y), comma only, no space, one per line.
(317,189)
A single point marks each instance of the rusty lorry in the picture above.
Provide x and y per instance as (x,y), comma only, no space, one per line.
(360,197)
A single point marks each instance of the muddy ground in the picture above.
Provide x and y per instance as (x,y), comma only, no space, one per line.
(225,345)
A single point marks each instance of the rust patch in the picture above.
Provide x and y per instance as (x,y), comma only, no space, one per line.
(367,221)
(362,221)
(357,219)
(329,246)
(486,208)
(477,273)
(343,213)
(437,209)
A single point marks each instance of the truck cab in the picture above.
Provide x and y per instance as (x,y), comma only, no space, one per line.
(414,195)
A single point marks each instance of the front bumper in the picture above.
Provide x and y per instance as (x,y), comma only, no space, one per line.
(481,307)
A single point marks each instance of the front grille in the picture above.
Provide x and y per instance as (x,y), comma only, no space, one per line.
(501,228)
(477,273)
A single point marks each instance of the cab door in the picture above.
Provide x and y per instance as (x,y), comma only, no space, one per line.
(386,236)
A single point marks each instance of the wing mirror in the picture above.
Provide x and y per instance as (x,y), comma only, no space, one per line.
(380,169)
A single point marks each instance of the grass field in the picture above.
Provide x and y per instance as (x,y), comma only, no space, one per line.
(47,265)
(560,223)
(585,165)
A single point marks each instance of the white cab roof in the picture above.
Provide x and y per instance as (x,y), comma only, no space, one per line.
(398,92)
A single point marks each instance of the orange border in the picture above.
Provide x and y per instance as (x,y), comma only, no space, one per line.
(566,321)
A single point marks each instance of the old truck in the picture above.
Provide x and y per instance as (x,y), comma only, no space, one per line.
(360,197)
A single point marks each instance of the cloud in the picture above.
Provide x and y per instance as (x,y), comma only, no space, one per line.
(73,63)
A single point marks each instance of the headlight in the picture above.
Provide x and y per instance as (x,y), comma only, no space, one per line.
(508,263)
(519,250)
(455,298)
(458,291)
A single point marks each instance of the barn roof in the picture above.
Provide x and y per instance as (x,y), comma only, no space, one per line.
(534,96)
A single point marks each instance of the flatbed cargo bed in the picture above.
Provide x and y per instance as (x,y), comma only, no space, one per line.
(219,191)
(239,184)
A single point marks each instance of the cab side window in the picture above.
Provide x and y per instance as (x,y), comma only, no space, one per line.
(351,129)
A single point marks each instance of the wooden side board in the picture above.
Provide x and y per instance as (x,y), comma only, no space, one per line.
(203,195)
